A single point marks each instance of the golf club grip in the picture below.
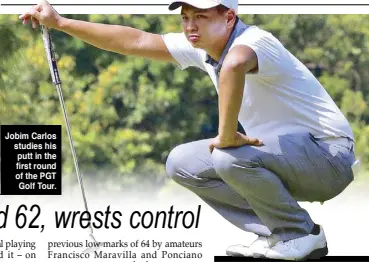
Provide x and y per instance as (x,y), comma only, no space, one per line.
(46,37)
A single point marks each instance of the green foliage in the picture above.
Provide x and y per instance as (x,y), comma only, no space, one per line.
(127,113)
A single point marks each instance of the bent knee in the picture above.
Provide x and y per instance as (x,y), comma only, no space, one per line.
(175,161)
(189,169)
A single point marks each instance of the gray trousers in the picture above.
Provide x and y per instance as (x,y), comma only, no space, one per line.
(257,188)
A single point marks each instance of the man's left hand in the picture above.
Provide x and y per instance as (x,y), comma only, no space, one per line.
(239,140)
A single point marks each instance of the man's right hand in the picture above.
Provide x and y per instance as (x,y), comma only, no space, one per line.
(43,14)
(115,38)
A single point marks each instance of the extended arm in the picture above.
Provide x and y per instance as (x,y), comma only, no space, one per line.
(120,39)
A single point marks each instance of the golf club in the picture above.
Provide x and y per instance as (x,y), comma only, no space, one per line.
(56,80)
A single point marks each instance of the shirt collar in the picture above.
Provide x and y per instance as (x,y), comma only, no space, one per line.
(238,29)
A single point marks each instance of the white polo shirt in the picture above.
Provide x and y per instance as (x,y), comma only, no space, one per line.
(283,97)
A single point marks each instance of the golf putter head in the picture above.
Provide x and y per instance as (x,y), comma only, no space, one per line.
(96,245)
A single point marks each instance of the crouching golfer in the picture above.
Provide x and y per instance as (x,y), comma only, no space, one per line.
(298,147)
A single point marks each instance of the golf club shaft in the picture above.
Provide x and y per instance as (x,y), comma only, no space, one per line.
(56,80)
(58,87)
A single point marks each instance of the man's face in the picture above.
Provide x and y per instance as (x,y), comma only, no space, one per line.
(203,27)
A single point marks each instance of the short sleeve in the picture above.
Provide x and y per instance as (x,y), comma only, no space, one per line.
(183,52)
(270,52)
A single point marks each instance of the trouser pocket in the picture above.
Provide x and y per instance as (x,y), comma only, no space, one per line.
(333,163)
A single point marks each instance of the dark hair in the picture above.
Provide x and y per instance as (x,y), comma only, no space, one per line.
(222,9)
